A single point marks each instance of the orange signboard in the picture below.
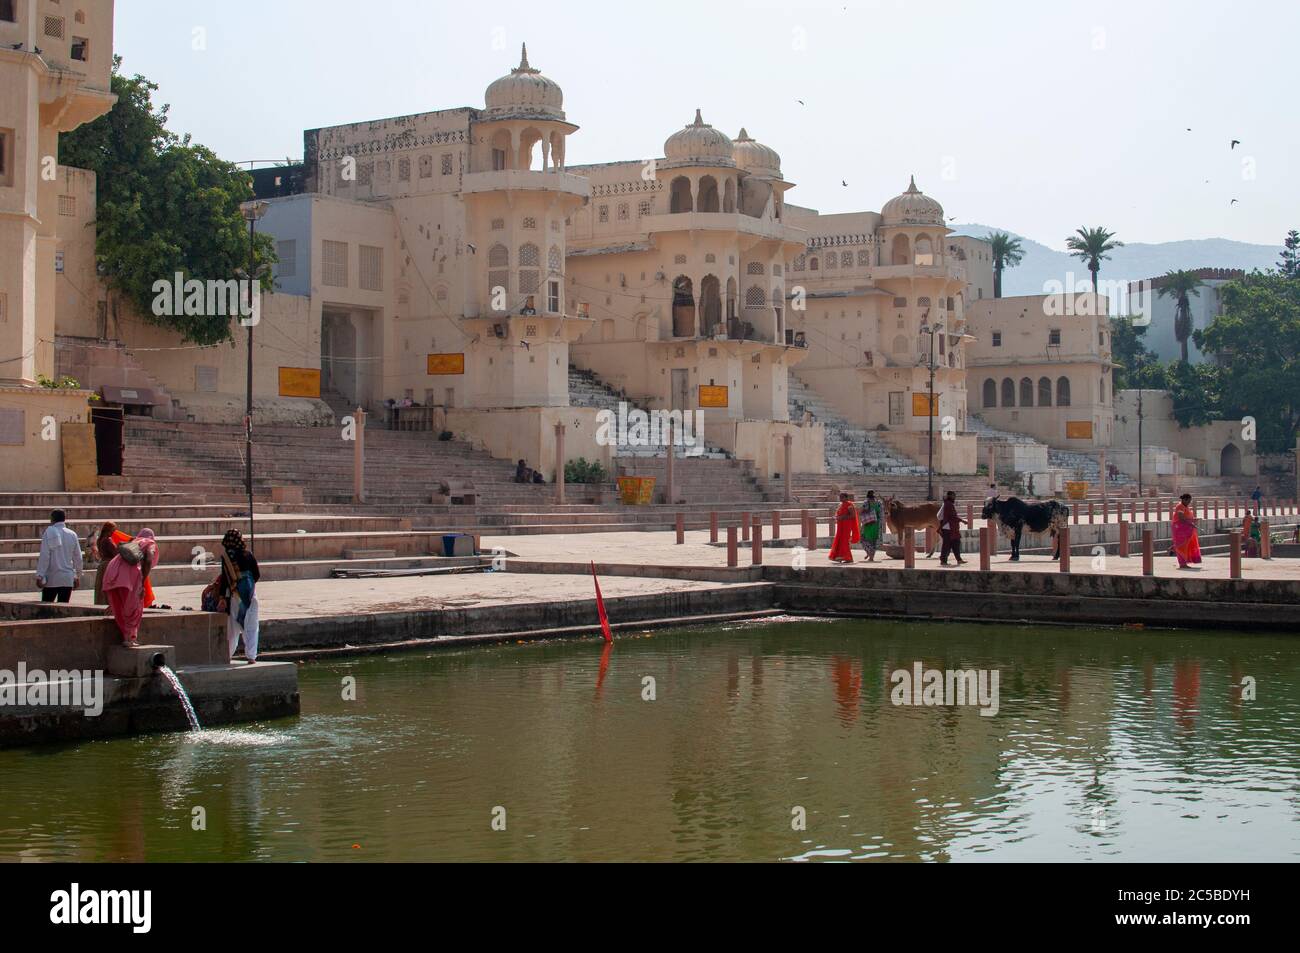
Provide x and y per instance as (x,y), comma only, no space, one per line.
(713,395)
(1078,430)
(299,382)
(919,403)
(447,363)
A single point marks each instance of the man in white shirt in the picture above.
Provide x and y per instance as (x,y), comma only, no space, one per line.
(58,570)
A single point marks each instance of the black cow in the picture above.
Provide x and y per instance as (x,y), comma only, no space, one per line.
(1015,515)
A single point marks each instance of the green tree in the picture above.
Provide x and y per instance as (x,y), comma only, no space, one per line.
(1181,285)
(1007,253)
(165,205)
(1090,246)
(1256,342)
(1289,263)
(1196,391)
(1137,366)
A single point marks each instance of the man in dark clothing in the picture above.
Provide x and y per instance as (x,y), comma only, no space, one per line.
(950,529)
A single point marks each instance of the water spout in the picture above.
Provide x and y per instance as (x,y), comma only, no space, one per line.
(177,687)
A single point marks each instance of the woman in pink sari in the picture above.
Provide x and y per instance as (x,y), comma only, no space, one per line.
(1187,547)
(124,583)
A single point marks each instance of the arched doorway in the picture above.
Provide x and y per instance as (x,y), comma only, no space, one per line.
(710,305)
(1230,460)
(683,308)
(679,196)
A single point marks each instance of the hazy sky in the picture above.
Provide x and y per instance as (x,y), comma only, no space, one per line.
(1033,115)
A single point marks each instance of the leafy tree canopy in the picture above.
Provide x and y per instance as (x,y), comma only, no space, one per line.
(1255,341)
(1138,367)
(165,205)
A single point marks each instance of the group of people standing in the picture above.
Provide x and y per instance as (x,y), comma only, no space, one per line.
(122,578)
(868,528)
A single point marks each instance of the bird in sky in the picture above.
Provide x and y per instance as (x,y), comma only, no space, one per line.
(1235,143)
(472,249)
(843,183)
(1233,202)
(800,102)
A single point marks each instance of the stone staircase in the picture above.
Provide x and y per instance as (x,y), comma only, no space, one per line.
(849,449)
(1083,466)
(588,390)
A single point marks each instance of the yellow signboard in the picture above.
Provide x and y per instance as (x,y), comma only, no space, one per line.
(919,402)
(447,363)
(299,382)
(80,469)
(713,395)
(1078,430)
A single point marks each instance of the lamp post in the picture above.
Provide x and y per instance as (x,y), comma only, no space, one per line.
(252,211)
(932,330)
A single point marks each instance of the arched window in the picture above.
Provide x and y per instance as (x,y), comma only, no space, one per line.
(812,264)
(990,393)
(755,297)
(800,263)
(1063,392)
(924,251)
(553,260)
(1008,392)
(729,195)
(708,194)
(901,251)
(1026,392)
(680,195)
(832,260)
(1044,392)
(498,257)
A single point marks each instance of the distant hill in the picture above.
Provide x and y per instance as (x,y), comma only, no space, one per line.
(1132,262)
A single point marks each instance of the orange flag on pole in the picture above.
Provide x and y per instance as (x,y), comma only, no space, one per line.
(600,607)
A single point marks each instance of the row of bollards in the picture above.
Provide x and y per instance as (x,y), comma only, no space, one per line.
(751,531)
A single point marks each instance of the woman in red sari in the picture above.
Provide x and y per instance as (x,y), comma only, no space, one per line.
(846,530)
(1187,547)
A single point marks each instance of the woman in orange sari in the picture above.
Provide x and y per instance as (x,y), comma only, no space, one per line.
(846,530)
(1187,547)
(106,548)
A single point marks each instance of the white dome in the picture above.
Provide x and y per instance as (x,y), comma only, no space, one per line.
(913,207)
(699,144)
(525,91)
(755,157)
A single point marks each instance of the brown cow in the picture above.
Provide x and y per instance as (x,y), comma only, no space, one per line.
(902,518)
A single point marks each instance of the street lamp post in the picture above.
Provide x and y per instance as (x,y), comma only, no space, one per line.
(252,211)
(927,328)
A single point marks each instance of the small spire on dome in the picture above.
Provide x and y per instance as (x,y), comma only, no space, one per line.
(523,66)
(699,120)
(911,188)
(744,136)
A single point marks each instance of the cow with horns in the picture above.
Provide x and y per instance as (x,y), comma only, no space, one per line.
(1015,515)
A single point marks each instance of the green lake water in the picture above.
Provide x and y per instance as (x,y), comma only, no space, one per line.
(1109,744)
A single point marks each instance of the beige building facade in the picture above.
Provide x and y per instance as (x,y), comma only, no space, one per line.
(55,64)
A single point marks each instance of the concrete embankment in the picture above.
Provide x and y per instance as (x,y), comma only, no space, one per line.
(64,675)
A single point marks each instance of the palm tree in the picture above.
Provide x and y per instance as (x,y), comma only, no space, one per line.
(1090,246)
(1179,285)
(1007,253)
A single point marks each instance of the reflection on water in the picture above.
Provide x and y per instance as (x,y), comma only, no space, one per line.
(1109,745)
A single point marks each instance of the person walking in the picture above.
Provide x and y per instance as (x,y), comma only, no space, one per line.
(237,592)
(1187,546)
(58,567)
(873,524)
(950,529)
(846,530)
